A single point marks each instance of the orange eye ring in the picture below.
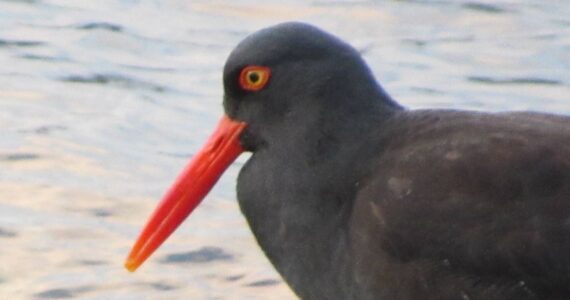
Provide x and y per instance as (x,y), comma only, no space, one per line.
(254,78)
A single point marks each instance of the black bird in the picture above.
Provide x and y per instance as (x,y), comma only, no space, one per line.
(351,196)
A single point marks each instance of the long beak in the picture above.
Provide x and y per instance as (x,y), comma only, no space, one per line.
(196,180)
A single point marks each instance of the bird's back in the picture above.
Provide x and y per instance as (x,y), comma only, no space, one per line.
(466,206)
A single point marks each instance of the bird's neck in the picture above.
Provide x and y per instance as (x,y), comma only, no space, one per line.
(297,195)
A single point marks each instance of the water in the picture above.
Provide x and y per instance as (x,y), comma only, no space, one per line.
(102,102)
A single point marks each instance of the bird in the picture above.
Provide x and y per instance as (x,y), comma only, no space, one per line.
(351,195)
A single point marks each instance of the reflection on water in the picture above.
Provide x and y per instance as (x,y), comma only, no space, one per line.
(102,102)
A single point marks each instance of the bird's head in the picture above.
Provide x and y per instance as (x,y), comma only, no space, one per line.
(283,77)
(277,81)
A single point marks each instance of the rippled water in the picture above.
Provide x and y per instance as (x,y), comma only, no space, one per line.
(102,102)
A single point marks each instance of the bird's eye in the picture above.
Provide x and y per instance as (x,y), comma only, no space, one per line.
(254,78)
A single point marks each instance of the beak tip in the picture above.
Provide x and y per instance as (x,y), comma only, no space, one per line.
(131,265)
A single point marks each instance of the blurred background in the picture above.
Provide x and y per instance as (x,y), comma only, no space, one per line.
(103,102)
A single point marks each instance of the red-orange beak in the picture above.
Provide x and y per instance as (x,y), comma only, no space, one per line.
(196,180)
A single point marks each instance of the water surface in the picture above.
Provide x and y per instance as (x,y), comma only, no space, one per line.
(102,103)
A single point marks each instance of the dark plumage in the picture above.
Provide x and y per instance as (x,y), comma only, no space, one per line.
(353,197)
